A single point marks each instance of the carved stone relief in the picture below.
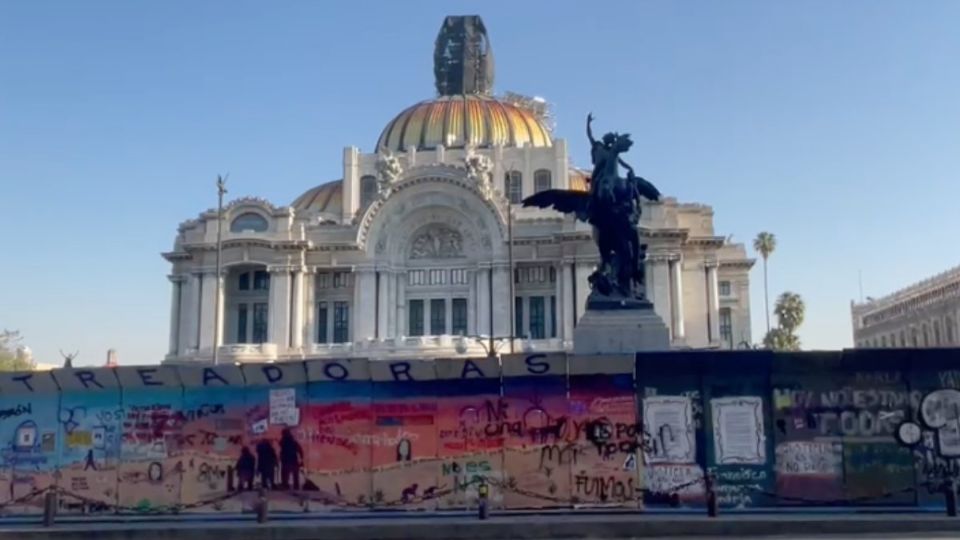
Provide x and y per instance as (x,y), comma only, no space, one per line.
(437,241)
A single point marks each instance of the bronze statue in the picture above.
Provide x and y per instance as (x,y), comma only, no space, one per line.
(613,208)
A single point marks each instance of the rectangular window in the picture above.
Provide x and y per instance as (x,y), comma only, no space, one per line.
(261,280)
(323,280)
(260,322)
(438,316)
(243,281)
(341,322)
(322,335)
(458,317)
(514,186)
(537,320)
(339,280)
(415,316)
(553,316)
(541,180)
(518,317)
(724,288)
(726,326)
(242,323)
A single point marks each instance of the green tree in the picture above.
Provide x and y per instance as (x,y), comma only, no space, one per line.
(764,244)
(790,311)
(9,359)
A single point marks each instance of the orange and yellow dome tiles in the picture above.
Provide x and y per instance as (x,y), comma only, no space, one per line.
(463,120)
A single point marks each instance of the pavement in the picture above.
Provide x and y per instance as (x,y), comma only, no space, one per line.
(532,526)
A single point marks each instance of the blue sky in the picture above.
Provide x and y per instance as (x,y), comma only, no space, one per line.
(835,125)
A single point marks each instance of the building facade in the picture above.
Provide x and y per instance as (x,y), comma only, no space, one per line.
(922,315)
(412,252)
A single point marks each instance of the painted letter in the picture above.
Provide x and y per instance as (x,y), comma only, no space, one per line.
(470,367)
(210,374)
(25,379)
(86,377)
(272,373)
(537,368)
(335,371)
(400,368)
(146,375)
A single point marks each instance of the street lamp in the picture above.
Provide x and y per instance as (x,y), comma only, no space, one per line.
(221,191)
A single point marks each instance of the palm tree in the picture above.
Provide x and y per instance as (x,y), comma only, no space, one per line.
(764,244)
(790,310)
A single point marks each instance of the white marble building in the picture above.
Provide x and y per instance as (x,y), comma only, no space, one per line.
(924,314)
(409,253)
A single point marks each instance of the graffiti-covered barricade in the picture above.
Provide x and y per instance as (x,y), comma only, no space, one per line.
(336,432)
(470,438)
(274,398)
(403,436)
(91,430)
(539,437)
(216,465)
(748,430)
(29,406)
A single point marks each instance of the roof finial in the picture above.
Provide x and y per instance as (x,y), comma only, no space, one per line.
(463,58)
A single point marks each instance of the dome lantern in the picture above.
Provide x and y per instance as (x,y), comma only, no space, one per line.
(465,113)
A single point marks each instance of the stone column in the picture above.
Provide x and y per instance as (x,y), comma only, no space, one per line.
(501,293)
(482,306)
(565,302)
(279,309)
(176,298)
(713,301)
(296,311)
(658,286)
(584,269)
(189,309)
(383,303)
(401,304)
(393,327)
(557,318)
(364,304)
(310,310)
(471,305)
(208,302)
(676,297)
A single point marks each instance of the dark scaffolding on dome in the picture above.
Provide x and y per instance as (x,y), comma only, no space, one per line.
(463,58)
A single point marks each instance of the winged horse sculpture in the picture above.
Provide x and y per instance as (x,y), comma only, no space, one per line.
(612,206)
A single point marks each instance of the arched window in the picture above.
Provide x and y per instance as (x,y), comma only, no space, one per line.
(368,190)
(513,186)
(541,181)
(249,221)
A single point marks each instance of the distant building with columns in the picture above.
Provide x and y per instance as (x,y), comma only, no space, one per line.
(409,253)
(925,314)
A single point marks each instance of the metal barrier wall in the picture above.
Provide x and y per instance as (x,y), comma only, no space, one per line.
(769,429)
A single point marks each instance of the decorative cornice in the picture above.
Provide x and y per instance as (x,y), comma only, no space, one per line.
(174,256)
(713,241)
(744,264)
(177,278)
(250,201)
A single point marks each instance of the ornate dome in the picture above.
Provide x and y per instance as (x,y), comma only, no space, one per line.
(323,200)
(463,120)
(466,113)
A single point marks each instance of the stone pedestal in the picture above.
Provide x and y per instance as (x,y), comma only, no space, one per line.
(619,326)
